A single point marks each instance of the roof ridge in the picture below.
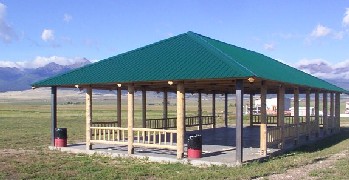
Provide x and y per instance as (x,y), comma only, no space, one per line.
(201,37)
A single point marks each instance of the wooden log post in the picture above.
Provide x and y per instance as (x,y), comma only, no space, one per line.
(200,111)
(307,113)
(130,118)
(118,118)
(331,111)
(88,117)
(53,114)
(226,109)
(251,109)
(337,111)
(239,120)
(165,109)
(144,108)
(263,125)
(214,109)
(180,120)
(281,114)
(296,113)
(324,114)
(317,109)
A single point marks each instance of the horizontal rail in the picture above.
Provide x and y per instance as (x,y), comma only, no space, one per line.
(172,122)
(287,119)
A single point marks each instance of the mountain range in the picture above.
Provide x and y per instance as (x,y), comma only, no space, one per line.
(17,79)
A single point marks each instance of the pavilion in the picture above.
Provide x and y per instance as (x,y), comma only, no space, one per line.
(193,63)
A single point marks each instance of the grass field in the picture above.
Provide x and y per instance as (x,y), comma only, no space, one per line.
(25,135)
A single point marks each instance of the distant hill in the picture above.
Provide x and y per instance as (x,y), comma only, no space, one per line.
(15,79)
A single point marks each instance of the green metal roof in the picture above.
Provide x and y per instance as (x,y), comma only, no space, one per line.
(186,56)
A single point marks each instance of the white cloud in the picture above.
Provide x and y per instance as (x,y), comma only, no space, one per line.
(48,35)
(320,31)
(67,18)
(7,33)
(41,61)
(269,46)
(346,18)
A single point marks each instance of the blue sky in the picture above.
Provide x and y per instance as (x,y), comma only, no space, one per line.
(33,33)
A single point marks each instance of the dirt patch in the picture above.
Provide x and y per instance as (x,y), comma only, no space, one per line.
(303,172)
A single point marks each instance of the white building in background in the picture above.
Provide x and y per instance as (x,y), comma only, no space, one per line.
(303,111)
(271,105)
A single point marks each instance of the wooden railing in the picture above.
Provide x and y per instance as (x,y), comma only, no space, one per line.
(145,137)
(287,119)
(273,135)
(161,123)
(104,124)
(109,135)
(154,138)
(172,122)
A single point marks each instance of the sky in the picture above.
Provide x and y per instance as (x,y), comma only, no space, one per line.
(298,33)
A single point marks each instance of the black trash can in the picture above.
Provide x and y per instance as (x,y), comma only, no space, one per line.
(61,137)
(194,146)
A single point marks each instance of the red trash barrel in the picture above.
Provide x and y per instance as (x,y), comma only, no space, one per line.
(195,146)
(61,137)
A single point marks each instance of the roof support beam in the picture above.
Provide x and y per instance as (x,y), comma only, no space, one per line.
(281,113)
(251,109)
(165,109)
(214,109)
(118,111)
(307,113)
(317,130)
(296,113)
(239,120)
(337,111)
(130,119)
(144,107)
(226,109)
(331,112)
(180,120)
(88,117)
(200,111)
(324,114)
(263,125)
(53,114)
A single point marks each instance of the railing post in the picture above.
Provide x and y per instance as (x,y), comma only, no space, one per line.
(263,125)
(296,113)
(130,119)
(214,109)
(88,117)
(180,120)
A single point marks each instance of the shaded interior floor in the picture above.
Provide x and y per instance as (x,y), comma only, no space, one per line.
(218,146)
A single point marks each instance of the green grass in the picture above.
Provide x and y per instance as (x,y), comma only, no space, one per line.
(25,135)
